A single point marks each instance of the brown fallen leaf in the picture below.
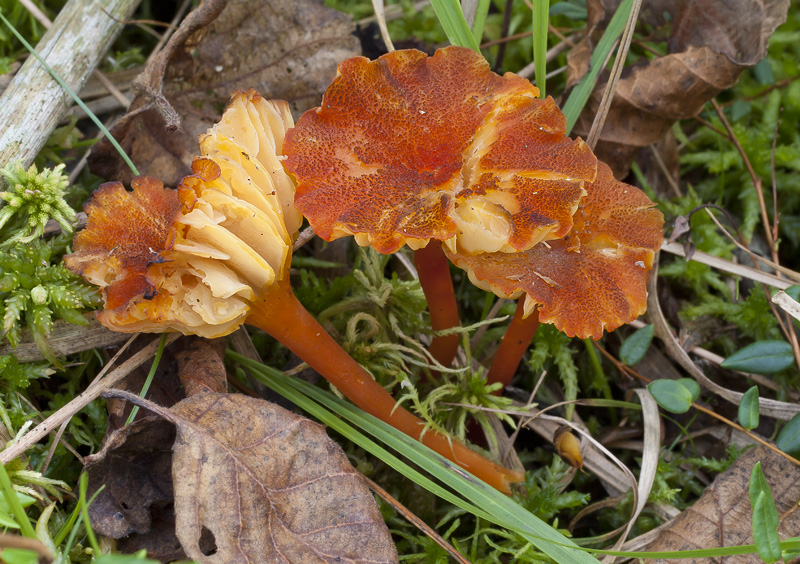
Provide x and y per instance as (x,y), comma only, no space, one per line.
(723,517)
(261,484)
(134,466)
(200,366)
(285,49)
(711,42)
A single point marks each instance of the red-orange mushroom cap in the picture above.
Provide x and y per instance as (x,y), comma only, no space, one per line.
(409,148)
(195,259)
(595,277)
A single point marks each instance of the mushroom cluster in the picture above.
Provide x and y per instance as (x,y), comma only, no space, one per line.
(439,153)
(216,253)
(424,151)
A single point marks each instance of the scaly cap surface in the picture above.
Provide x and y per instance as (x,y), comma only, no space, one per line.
(408,148)
(592,279)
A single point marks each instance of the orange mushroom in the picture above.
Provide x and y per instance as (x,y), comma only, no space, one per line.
(216,253)
(592,279)
(425,151)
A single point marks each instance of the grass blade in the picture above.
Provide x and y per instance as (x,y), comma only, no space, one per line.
(541,12)
(480,20)
(455,25)
(580,94)
(484,501)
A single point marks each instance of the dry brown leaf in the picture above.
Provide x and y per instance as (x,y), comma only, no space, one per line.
(134,466)
(261,484)
(200,366)
(285,49)
(711,43)
(723,517)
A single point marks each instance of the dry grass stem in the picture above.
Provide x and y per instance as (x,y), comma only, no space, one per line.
(83,399)
(728,266)
(616,71)
(377,5)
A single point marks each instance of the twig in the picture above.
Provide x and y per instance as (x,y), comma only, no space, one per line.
(24,543)
(377,6)
(506,39)
(33,103)
(52,450)
(173,26)
(91,393)
(712,127)
(561,36)
(662,165)
(772,408)
(782,269)
(38,413)
(775,215)
(753,178)
(304,237)
(501,50)
(416,521)
(786,326)
(728,266)
(45,21)
(778,85)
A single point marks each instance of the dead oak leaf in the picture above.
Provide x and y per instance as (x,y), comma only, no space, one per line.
(723,517)
(285,49)
(711,42)
(255,483)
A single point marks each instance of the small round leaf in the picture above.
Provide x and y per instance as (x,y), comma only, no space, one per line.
(748,409)
(671,395)
(765,517)
(635,346)
(691,385)
(789,438)
(761,357)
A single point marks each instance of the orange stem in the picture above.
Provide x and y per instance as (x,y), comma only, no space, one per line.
(281,315)
(514,344)
(434,277)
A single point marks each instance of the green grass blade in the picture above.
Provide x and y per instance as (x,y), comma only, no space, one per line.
(484,501)
(14,504)
(541,13)
(455,25)
(580,94)
(74,96)
(149,380)
(480,20)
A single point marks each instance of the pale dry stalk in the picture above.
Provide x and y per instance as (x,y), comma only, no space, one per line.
(34,103)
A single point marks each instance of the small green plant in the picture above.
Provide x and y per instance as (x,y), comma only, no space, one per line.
(32,198)
(34,287)
(34,291)
(20,374)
